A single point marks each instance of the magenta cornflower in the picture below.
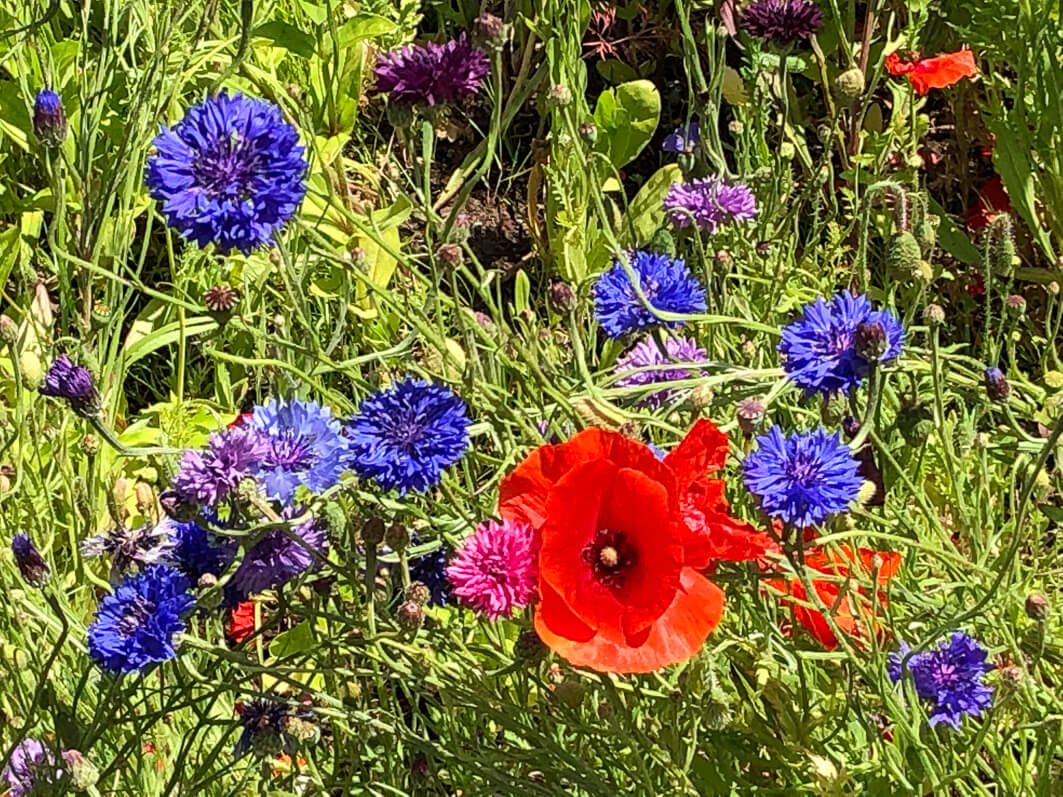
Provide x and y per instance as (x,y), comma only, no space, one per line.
(709,203)
(494,573)
(432,74)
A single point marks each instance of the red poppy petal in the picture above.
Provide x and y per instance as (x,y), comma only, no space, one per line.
(895,66)
(676,636)
(942,71)
(552,612)
(701,452)
(524,492)
(712,536)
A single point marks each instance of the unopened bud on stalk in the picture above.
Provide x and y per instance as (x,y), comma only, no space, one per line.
(31,564)
(396,537)
(588,132)
(8,330)
(934,315)
(559,96)
(869,341)
(450,255)
(996,385)
(903,254)
(373,532)
(49,119)
(83,773)
(489,31)
(1015,305)
(410,616)
(1036,606)
(849,86)
(562,297)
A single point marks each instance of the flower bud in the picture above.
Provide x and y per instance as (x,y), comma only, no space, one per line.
(701,397)
(588,132)
(221,299)
(145,498)
(396,537)
(763,248)
(410,616)
(570,692)
(903,254)
(559,96)
(934,315)
(31,564)
(529,648)
(418,592)
(450,255)
(561,297)
(1036,606)
(750,414)
(83,773)
(207,580)
(1015,306)
(489,31)
(49,119)
(869,341)
(996,385)
(8,330)
(373,532)
(849,86)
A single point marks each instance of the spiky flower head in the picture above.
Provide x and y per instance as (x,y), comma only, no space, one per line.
(31,767)
(305,446)
(950,675)
(31,564)
(494,572)
(142,546)
(804,478)
(73,384)
(666,283)
(49,119)
(820,352)
(265,725)
(660,366)
(710,203)
(277,558)
(432,74)
(196,551)
(782,22)
(135,625)
(229,173)
(205,478)
(406,435)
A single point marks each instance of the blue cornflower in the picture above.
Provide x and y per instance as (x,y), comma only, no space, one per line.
(230,173)
(196,551)
(950,675)
(682,140)
(277,558)
(405,436)
(819,349)
(803,478)
(305,447)
(204,478)
(73,384)
(666,283)
(135,625)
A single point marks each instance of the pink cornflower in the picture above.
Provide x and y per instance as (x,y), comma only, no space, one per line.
(495,570)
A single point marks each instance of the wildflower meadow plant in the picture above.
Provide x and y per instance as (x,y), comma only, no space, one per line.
(950,676)
(432,74)
(709,203)
(666,282)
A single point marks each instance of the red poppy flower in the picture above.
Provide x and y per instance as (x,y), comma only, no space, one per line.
(241,621)
(992,200)
(849,602)
(241,419)
(933,73)
(621,538)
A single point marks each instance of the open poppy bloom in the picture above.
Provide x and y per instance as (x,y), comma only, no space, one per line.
(621,537)
(841,591)
(933,73)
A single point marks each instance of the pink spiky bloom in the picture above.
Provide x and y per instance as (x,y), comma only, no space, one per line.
(495,570)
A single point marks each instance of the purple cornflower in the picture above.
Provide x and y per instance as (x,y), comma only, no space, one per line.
(682,140)
(73,384)
(31,564)
(270,727)
(710,203)
(405,436)
(277,558)
(135,625)
(49,119)
(305,446)
(804,478)
(32,765)
(206,477)
(230,173)
(432,74)
(782,22)
(820,349)
(143,546)
(666,283)
(197,552)
(950,675)
(647,354)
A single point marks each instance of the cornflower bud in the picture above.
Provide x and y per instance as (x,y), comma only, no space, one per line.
(31,564)
(996,385)
(49,119)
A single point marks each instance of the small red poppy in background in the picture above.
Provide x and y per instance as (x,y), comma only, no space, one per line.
(241,621)
(992,201)
(619,587)
(933,73)
(843,591)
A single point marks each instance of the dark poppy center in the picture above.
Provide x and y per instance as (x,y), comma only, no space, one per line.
(610,557)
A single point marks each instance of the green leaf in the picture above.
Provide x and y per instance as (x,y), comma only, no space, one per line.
(521,291)
(645,214)
(296,639)
(952,239)
(363,26)
(1013,164)
(287,36)
(626,118)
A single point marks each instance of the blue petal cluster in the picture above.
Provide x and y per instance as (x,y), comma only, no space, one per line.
(804,478)
(230,173)
(950,676)
(818,349)
(404,437)
(277,558)
(196,551)
(305,446)
(682,140)
(666,283)
(31,769)
(431,570)
(135,625)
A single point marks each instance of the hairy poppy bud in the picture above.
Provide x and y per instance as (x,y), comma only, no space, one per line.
(903,253)
(848,86)
(49,119)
